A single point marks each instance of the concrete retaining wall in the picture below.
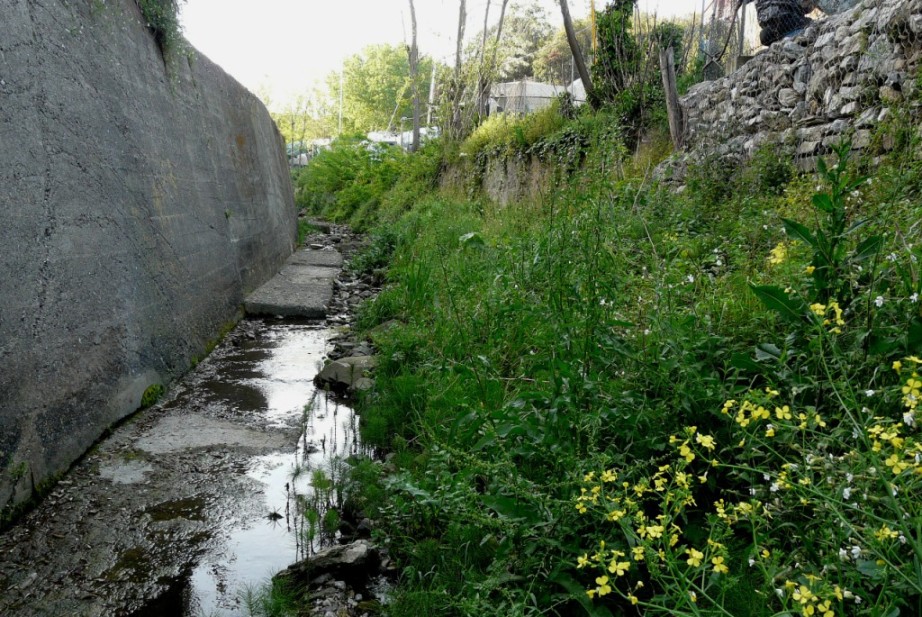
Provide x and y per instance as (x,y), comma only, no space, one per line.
(140,199)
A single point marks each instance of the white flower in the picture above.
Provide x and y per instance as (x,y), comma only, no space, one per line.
(914,298)
(856,552)
(879,301)
(752,562)
(857,599)
(646,332)
(909,419)
(774,487)
(766,477)
(849,477)
(779,592)
(891,257)
(843,554)
(902,539)
(869,392)
(846,493)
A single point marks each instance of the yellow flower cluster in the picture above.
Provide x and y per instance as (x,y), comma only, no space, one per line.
(751,412)
(831,314)
(778,254)
(815,597)
(648,535)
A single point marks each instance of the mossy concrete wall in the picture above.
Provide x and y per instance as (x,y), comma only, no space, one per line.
(141,198)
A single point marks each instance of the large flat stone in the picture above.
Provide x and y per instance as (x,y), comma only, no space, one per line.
(303,288)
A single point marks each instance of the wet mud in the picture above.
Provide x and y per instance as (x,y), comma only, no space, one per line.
(195,500)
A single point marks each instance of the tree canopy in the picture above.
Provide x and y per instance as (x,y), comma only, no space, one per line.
(377,90)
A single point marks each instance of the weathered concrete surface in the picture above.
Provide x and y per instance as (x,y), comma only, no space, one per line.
(161,516)
(303,288)
(140,200)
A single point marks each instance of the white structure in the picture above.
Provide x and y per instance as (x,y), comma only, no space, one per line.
(523,97)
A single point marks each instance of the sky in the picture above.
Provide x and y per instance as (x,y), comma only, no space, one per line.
(284,47)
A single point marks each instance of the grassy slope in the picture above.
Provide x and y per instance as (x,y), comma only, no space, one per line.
(542,349)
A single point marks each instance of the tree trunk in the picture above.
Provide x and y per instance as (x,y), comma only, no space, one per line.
(577,54)
(414,79)
(481,77)
(673,107)
(458,86)
(492,67)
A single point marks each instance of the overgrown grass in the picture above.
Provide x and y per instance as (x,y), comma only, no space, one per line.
(624,400)
(627,401)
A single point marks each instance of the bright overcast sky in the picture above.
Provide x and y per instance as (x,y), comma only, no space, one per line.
(286,46)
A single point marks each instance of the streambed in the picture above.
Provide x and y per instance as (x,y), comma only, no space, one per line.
(191,503)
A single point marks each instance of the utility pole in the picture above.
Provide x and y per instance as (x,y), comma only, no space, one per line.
(342,70)
(414,78)
(431,101)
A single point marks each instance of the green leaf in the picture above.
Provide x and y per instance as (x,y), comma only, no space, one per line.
(914,336)
(744,363)
(578,593)
(823,201)
(767,351)
(869,248)
(798,231)
(472,239)
(511,508)
(777,300)
(821,166)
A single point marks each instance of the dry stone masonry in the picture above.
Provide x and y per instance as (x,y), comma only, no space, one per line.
(840,78)
(142,195)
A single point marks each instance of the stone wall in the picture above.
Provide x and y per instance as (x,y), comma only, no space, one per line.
(140,198)
(504,179)
(840,78)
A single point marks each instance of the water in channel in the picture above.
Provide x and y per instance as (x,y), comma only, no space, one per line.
(189,507)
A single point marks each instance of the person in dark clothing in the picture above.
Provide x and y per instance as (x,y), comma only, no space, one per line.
(780,18)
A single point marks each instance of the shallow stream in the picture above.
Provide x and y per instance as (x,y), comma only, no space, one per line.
(191,505)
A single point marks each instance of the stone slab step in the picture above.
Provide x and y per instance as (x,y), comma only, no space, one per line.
(303,288)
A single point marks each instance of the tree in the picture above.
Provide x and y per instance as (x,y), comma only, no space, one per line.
(516,40)
(377,89)
(554,61)
(577,54)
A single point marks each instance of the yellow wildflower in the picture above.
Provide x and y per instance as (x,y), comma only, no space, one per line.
(694,557)
(618,568)
(719,565)
(810,269)
(706,441)
(637,553)
(603,587)
(582,561)
(885,533)
(783,413)
(778,254)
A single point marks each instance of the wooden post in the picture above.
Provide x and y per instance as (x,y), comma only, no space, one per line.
(673,107)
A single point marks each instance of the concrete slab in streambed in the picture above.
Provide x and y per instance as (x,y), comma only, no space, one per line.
(303,288)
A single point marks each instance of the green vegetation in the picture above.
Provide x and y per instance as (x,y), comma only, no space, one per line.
(618,399)
(151,395)
(162,21)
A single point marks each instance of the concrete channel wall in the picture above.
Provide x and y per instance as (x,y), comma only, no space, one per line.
(142,195)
